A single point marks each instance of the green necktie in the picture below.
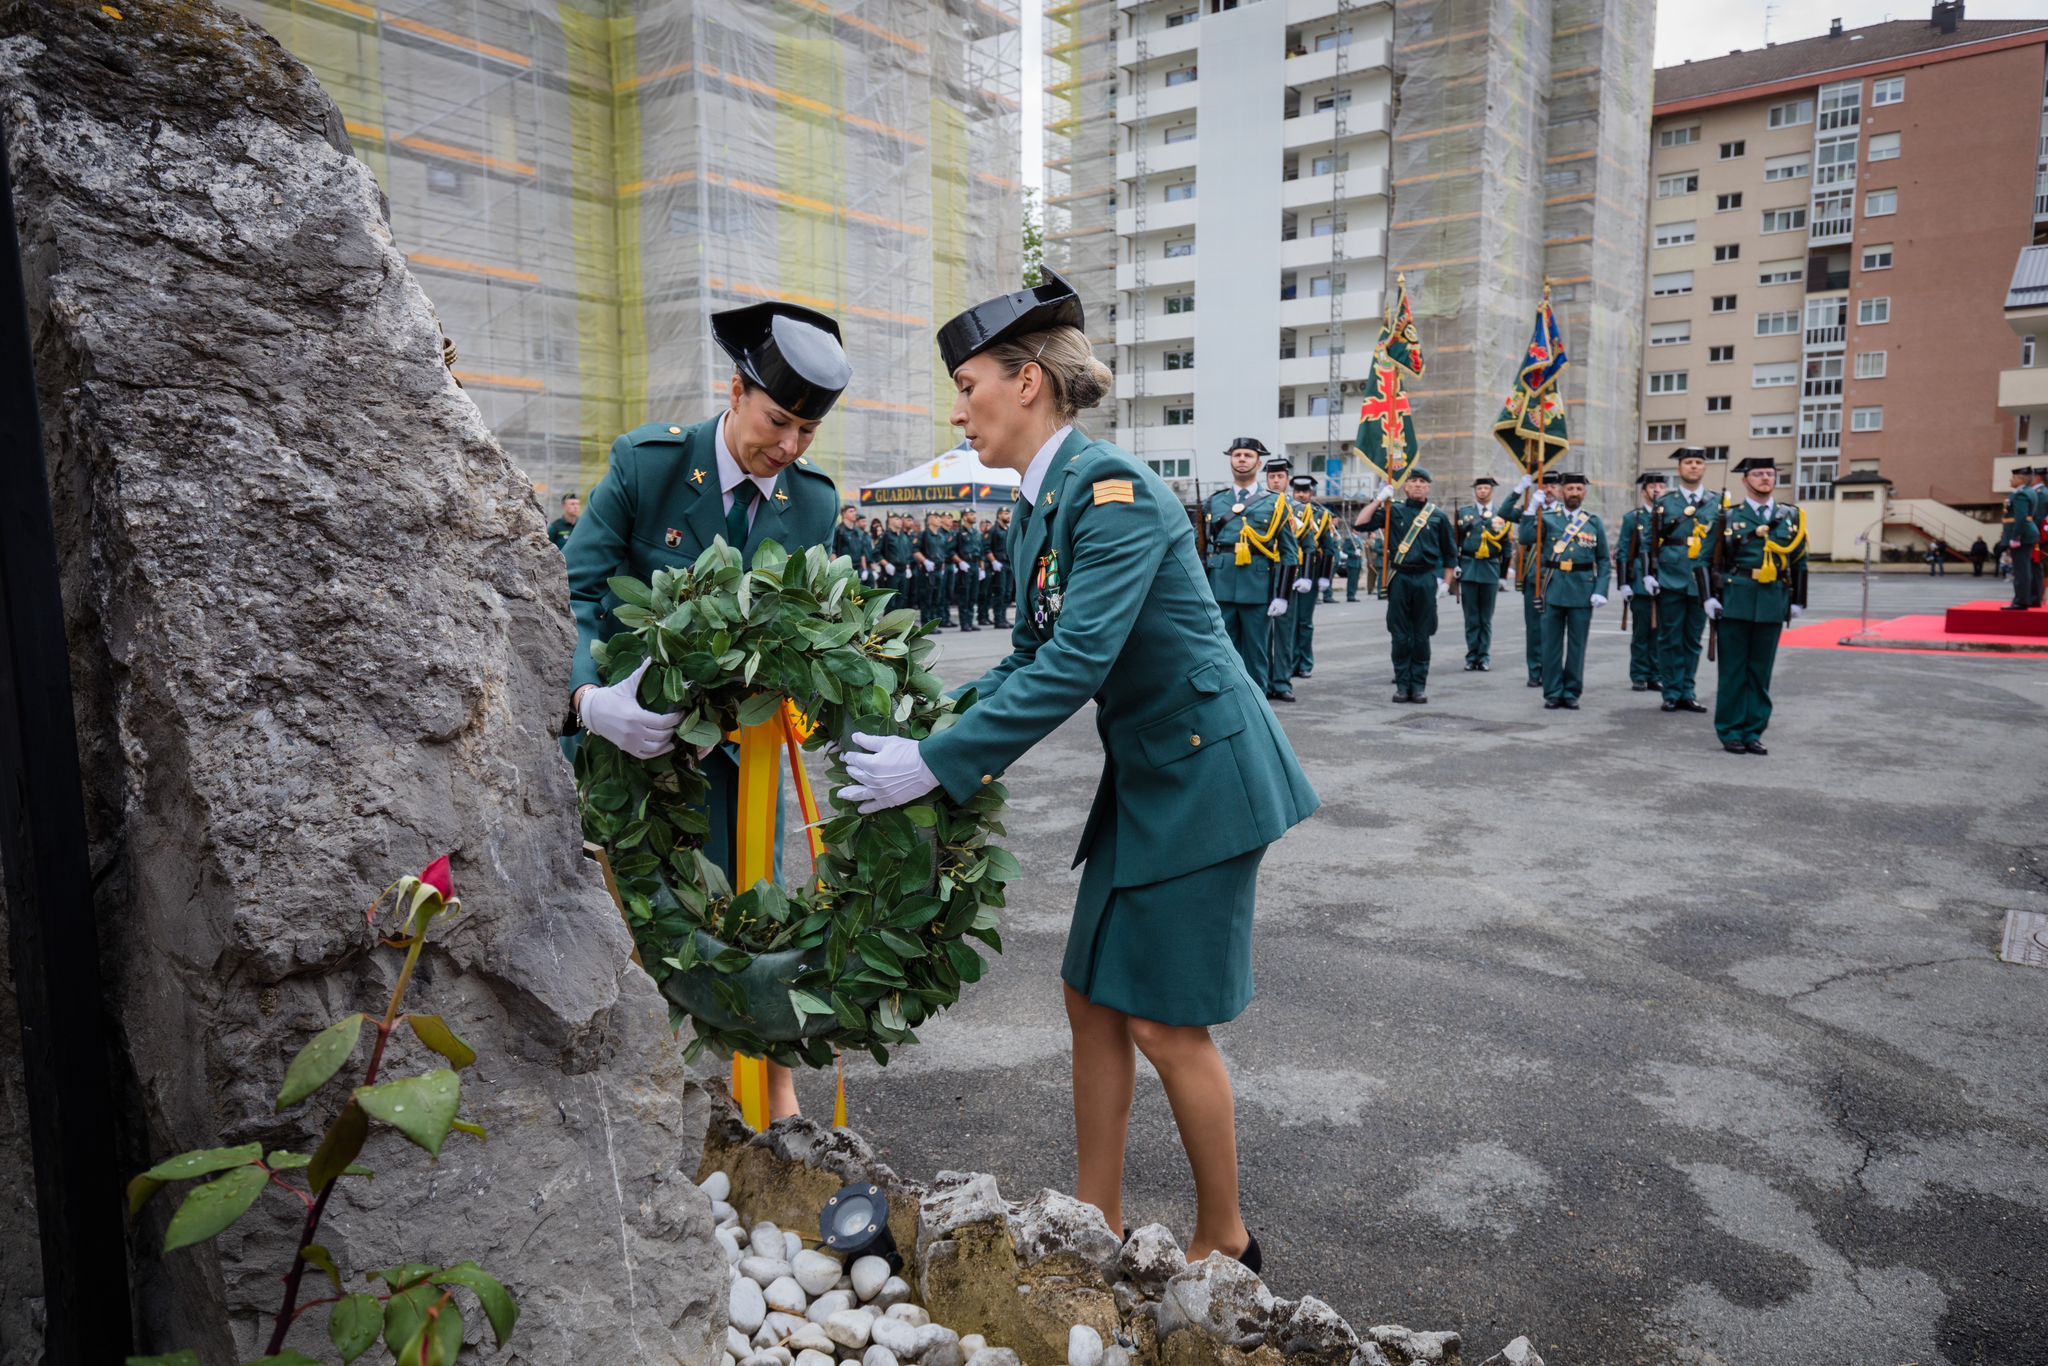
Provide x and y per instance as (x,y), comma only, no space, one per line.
(736,516)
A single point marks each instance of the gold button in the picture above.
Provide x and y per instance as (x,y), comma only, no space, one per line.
(1195,740)
(675,431)
(985,778)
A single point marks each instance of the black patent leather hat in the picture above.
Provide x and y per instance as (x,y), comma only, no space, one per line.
(1052,303)
(792,352)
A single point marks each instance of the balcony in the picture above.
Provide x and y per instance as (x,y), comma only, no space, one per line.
(1159,42)
(2021,391)
(1355,305)
(1156,442)
(1353,244)
(1363,54)
(1309,191)
(1159,271)
(1301,431)
(1312,129)
(1308,11)
(1823,282)
(1158,217)
(1824,232)
(1159,158)
(1172,99)
(1820,441)
(1311,371)
(1159,327)
(1160,382)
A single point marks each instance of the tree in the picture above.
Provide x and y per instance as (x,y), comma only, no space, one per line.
(1034,238)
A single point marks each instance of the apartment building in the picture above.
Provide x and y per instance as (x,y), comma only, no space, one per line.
(1081,137)
(1833,228)
(580,184)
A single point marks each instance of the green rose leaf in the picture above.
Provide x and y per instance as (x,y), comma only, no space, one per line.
(203,1162)
(438,1341)
(212,1207)
(490,1293)
(405,1314)
(316,1255)
(139,1192)
(422,1108)
(338,1149)
(403,1276)
(434,1032)
(319,1060)
(353,1325)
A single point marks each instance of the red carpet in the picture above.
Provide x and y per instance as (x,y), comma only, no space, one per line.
(1985,619)
(1913,635)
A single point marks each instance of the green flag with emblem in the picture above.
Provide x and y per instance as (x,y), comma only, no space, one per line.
(1386,428)
(1531,424)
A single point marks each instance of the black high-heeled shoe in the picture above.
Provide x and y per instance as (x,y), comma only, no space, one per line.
(1251,1258)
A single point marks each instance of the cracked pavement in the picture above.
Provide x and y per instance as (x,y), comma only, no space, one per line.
(1571,1024)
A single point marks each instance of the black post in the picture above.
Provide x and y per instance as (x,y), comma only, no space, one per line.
(53,942)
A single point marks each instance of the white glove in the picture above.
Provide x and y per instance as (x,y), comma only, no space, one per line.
(1535,501)
(616,714)
(1600,599)
(887,771)
(1443,588)
(1277,607)
(1322,583)
(1713,609)
(889,568)
(1797,610)
(1386,492)
(980,574)
(1525,483)
(1627,592)
(1301,585)
(999,566)
(1650,585)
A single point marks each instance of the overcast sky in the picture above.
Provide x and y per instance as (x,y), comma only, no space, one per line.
(1685,28)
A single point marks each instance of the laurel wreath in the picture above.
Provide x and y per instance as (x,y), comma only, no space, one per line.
(880,941)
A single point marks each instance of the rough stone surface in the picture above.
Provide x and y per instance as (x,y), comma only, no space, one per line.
(1315,1333)
(1220,1298)
(1052,1227)
(1520,1352)
(319,639)
(994,1356)
(1404,1347)
(1151,1258)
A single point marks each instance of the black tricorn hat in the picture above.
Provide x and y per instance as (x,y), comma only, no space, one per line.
(1304,482)
(1246,443)
(1648,477)
(1551,477)
(1573,478)
(1487,480)
(1050,303)
(1689,453)
(1755,462)
(1278,462)
(791,351)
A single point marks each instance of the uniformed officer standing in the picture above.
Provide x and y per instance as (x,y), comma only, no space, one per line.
(1315,530)
(559,529)
(1529,574)
(1005,576)
(1683,526)
(970,568)
(2019,535)
(1759,583)
(1424,547)
(935,546)
(1250,538)
(1483,532)
(1574,572)
(1354,558)
(670,492)
(894,555)
(850,539)
(2039,493)
(1635,564)
(1280,636)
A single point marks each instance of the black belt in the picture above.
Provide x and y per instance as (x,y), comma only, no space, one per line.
(1576,568)
(1415,568)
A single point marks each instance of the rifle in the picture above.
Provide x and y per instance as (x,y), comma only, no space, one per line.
(1705,583)
(1199,515)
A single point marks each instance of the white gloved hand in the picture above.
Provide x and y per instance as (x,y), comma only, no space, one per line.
(1525,483)
(1797,610)
(1277,607)
(1627,592)
(1322,583)
(887,771)
(999,566)
(615,713)
(1443,588)
(1713,609)
(1600,599)
(1386,492)
(1301,585)
(1650,585)
(1535,501)
(980,574)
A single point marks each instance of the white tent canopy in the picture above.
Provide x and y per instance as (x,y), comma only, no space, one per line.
(955,476)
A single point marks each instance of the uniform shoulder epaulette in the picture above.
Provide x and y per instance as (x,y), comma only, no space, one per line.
(804,466)
(657,433)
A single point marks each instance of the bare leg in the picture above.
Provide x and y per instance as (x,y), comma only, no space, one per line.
(1105,1074)
(781,1093)
(1198,1087)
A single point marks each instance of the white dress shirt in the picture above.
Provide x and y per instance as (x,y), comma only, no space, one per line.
(1041,464)
(731,476)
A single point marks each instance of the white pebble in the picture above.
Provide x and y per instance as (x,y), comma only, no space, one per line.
(845,1281)
(786,1295)
(723,1213)
(782,1325)
(730,1241)
(766,1240)
(894,1291)
(717,1185)
(747,1307)
(938,1345)
(1084,1346)
(993,1356)
(729,1360)
(763,1271)
(814,1358)
(869,1274)
(791,1245)
(912,1314)
(737,1344)
(810,1336)
(765,1337)
(769,1356)
(972,1343)
(879,1355)
(894,1334)
(849,1328)
(815,1272)
(828,1304)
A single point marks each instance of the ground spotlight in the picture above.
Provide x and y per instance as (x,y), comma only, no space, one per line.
(855,1223)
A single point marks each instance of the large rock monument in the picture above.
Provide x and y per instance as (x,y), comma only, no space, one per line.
(318,639)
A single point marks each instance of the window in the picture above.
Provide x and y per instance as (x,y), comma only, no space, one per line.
(1180,77)
(1720,355)
(1676,234)
(1791,114)
(1716,452)
(1841,106)
(1327,164)
(1319,287)
(1866,420)
(1678,137)
(1320,346)
(1784,220)
(1180,249)
(1326,42)
(1776,374)
(1781,273)
(1176,468)
(1184,190)
(1186,16)
(1180,360)
(1724,202)
(1670,334)
(1184,133)
(1728,251)
(1732,150)
(1777,324)
(1720,403)
(1180,303)
(1318,405)
(1325,103)
(1793,166)
(1672,186)
(445,180)
(1674,282)
(1878,258)
(1871,364)
(1323,225)
(1770,425)
(1664,432)
(1884,146)
(1878,203)
(1180,415)
(1835,160)
(1724,303)
(1890,90)
(2026,353)
(1668,382)
(1870,312)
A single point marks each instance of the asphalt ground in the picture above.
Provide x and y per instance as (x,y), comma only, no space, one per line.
(1571,1024)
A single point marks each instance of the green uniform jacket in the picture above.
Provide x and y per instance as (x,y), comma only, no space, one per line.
(1435,546)
(897,547)
(1586,552)
(558,531)
(1197,771)
(850,541)
(971,546)
(1674,526)
(2040,494)
(1744,533)
(1258,581)
(1632,551)
(2022,519)
(658,507)
(1472,538)
(935,545)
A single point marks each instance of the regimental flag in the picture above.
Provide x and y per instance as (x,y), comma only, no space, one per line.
(1386,428)
(1531,423)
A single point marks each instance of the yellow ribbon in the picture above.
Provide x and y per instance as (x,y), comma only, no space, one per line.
(1249,540)
(1778,558)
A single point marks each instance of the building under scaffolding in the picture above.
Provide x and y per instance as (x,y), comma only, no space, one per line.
(1080,157)
(580,183)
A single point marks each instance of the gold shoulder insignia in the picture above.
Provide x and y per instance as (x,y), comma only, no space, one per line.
(675,431)
(1114,491)
(696,476)
(781,497)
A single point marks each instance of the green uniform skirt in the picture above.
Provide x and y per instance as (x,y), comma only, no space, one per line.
(1177,952)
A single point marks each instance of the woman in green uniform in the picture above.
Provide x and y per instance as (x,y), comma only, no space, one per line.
(1197,779)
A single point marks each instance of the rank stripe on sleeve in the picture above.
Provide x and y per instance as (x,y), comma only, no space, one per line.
(1114,491)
